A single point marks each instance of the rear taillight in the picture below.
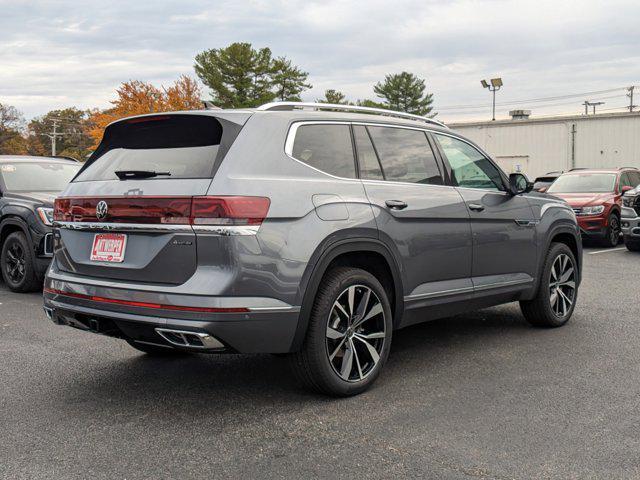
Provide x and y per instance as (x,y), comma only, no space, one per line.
(224,210)
(229,210)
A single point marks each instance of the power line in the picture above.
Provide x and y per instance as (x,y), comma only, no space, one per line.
(534,100)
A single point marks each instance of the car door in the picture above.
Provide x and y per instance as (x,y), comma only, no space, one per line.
(425,220)
(503,225)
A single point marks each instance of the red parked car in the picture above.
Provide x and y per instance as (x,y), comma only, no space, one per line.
(596,197)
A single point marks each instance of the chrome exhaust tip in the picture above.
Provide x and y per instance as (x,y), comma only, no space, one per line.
(189,339)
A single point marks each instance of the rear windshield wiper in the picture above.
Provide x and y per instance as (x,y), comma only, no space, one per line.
(125,174)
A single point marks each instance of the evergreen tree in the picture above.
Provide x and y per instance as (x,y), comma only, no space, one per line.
(405,92)
(288,80)
(333,96)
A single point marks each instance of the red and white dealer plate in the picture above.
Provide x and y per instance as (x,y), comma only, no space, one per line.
(108,247)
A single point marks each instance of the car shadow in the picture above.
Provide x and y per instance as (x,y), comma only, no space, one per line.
(228,381)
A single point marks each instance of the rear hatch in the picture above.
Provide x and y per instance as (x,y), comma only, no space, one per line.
(127,215)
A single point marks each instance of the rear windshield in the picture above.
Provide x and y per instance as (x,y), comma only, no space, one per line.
(173,146)
(584,183)
(37,176)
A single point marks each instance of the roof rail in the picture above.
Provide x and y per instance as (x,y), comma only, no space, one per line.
(346,108)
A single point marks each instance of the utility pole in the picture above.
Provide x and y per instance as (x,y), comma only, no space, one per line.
(53,135)
(595,104)
(588,104)
(630,95)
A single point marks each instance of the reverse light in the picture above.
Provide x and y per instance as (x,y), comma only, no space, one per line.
(592,210)
(46,215)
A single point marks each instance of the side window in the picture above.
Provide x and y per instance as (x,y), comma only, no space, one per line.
(327,148)
(635,179)
(405,155)
(625,180)
(469,167)
(367,158)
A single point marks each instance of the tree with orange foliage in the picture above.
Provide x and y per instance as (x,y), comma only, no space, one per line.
(136,98)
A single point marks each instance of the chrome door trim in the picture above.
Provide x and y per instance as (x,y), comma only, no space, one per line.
(455,291)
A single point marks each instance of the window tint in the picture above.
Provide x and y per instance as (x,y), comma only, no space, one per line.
(469,167)
(185,146)
(625,180)
(37,176)
(367,158)
(405,155)
(327,148)
(635,178)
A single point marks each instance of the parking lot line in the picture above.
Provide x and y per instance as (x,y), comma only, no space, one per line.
(607,250)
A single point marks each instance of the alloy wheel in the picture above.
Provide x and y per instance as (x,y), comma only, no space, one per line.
(356,333)
(15,266)
(614,229)
(562,285)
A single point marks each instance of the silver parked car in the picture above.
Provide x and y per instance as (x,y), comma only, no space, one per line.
(309,229)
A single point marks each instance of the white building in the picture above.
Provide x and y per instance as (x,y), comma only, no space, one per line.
(539,145)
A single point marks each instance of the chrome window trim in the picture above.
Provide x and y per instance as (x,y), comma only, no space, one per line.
(293,128)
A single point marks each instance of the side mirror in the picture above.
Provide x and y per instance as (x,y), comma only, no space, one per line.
(625,189)
(519,183)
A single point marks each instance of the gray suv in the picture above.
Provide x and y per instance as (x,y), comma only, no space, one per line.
(308,229)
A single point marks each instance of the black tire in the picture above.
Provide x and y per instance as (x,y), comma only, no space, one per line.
(632,245)
(157,351)
(540,312)
(612,233)
(17,264)
(313,366)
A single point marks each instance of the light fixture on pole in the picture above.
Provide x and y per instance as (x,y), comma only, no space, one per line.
(493,85)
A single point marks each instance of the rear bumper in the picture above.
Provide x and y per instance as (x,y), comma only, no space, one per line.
(262,330)
(630,223)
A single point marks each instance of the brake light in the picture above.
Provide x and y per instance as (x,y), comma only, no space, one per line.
(229,210)
(223,210)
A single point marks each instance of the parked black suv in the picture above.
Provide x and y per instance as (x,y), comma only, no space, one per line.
(28,186)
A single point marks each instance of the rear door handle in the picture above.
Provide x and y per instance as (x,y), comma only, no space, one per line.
(476,207)
(396,204)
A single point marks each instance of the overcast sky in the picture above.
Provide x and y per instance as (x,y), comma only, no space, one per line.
(63,53)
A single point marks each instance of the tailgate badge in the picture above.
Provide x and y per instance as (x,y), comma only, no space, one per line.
(101,210)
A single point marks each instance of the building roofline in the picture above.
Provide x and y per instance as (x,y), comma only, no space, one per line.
(561,118)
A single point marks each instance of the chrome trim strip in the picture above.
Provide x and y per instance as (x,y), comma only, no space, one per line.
(346,108)
(227,230)
(222,230)
(273,309)
(48,240)
(502,284)
(442,293)
(445,293)
(124,227)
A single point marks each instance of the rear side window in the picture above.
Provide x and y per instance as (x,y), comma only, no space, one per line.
(367,158)
(325,147)
(405,155)
(185,146)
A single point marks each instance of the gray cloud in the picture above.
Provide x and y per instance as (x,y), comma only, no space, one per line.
(62,53)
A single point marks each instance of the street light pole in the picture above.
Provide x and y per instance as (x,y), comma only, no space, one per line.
(495,85)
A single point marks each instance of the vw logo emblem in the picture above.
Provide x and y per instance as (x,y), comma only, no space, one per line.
(101,210)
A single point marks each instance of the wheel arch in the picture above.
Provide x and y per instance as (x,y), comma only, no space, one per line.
(10,224)
(356,252)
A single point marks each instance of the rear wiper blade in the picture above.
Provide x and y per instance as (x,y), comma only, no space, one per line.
(125,174)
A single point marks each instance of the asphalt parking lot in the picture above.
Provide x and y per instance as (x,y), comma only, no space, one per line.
(480,395)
